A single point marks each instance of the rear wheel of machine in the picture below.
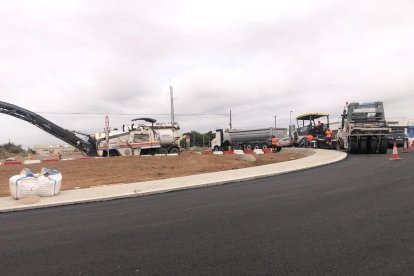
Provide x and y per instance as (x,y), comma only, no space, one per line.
(383,146)
(353,146)
(175,150)
(162,151)
(248,147)
(264,146)
(256,146)
(373,145)
(363,145)
(339,144)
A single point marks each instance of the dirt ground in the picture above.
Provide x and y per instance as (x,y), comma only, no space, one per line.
(115,170)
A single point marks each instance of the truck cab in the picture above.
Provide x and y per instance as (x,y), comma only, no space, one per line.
(221,141)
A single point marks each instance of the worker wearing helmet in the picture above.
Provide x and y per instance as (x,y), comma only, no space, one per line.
(308,140)
(275,144)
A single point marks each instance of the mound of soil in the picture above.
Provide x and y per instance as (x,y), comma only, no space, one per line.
(115,170)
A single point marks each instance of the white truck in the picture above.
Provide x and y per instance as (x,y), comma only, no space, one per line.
(246,139)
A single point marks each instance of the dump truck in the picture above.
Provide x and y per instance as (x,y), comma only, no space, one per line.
(134,139)
(363,128)
(226,139)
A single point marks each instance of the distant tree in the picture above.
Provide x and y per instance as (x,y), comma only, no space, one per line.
(197,138)
(12,148)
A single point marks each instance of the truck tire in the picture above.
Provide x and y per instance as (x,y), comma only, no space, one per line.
(353,146)
(264,146)
(216,148)
(383,146)
(175,150)
(256,146)
(373,145)
(340,144)
(363,145)
(248,147)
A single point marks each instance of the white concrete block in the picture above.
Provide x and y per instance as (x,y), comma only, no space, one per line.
(218,152)
(238,152)
(31,161)
(258,151)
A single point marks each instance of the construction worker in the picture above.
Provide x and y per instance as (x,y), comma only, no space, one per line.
(308,140)
(275,144)
(328,134)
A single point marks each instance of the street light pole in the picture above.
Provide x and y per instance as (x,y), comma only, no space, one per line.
(290,128)
(275,120)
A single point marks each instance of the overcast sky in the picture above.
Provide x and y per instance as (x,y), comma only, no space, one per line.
(258,58)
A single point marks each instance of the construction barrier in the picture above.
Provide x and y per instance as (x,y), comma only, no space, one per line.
(258,151)
(228,152)
(12,163)
(268,150)
(31,162)
(405,148)
(50,160)
(248,151)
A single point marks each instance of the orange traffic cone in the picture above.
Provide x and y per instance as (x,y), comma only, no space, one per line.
(406,149)
(395,155)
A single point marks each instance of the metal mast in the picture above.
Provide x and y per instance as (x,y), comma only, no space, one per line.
(172,105)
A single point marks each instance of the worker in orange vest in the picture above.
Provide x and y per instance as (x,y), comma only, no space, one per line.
(275,144)
(328,134)
(308,140)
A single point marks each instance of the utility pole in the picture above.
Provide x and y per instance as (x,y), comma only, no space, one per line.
(290,128)
(172,105)
(275,120)
(230,120)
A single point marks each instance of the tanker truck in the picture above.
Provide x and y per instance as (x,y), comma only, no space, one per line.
(363,128)
(226,139)
(140,139)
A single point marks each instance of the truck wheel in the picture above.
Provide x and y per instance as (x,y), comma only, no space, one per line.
(339,144)
(175,150)
(383,146)
(216,148)
(162,151)
(363,145)
(353,146)
(256,146)
(248,147)
(264,146)
(373,145)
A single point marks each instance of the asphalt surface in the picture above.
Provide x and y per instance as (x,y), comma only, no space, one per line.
(355,217)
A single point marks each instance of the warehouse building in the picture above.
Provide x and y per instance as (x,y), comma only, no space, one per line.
(46,149)
(402,124)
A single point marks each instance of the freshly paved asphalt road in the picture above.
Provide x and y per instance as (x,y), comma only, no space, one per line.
(355,217)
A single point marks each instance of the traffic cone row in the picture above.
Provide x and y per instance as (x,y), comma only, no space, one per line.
(405,148)
(395,155)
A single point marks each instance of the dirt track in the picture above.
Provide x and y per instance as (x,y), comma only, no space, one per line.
(115,170)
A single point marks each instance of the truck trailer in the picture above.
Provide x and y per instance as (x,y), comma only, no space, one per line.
(227,139)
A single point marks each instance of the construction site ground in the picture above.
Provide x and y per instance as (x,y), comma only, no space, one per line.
(114,170)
